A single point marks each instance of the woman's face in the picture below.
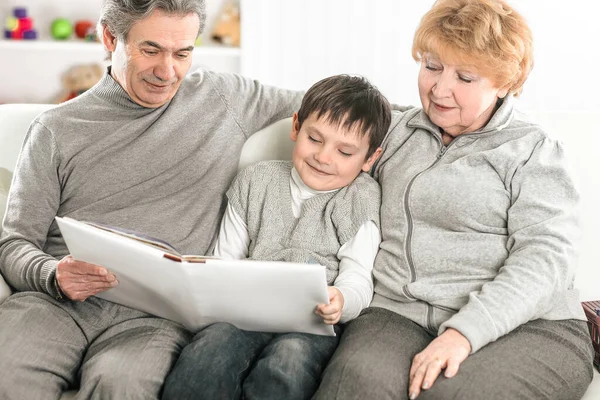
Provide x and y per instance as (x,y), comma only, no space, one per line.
(455,97)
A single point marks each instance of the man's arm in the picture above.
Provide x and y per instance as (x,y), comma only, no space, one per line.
(252,104)
(33,203)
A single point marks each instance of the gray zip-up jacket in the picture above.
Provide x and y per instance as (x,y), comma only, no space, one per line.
(479,235)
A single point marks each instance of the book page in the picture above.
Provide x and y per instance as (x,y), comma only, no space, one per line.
(152,241)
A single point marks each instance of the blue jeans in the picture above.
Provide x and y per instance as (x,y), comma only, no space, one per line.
(224,362)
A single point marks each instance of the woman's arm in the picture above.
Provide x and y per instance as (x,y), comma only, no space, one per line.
(543,231)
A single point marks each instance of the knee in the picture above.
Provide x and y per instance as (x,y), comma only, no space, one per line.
(214,338)
(213,347)
(218,332)
(287,357)
(295,355)
(360,373)
(111,375)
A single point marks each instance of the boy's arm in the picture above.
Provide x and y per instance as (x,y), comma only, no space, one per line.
(355,279)
(233,239)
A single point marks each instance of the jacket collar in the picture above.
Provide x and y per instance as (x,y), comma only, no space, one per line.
(501,118)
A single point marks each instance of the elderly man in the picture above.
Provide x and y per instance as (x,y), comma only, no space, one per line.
(149,148)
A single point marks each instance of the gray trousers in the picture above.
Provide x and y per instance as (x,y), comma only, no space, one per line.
(111,351)
(539,360)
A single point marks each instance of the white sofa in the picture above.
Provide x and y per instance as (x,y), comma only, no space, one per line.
(574,129)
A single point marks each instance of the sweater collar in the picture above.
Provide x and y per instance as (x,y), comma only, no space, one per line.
(501,118)
(111,91)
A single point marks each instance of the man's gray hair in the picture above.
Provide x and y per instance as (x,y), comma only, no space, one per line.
(120,15)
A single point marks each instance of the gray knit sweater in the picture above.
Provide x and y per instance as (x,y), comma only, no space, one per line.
(260,194)
(479,235)
(106,159)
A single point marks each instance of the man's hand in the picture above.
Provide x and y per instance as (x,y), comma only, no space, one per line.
(447,351)
(79,280)
(332,312)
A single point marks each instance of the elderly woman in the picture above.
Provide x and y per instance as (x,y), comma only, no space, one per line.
(474,295)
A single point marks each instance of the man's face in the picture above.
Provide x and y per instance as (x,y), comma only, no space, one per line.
(151,63)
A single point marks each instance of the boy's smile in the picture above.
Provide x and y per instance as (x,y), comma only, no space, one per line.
(327,156)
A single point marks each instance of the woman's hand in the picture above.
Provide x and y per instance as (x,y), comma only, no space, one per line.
(332,312)
(79,280)
(447,351)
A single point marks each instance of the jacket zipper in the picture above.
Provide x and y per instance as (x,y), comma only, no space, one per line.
(430,317)
(407,246)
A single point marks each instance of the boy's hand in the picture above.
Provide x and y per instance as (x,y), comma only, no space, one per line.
(332,312)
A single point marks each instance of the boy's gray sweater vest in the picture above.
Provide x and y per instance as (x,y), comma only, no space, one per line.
(261,196)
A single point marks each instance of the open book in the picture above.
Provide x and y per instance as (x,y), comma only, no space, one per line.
(168,250)
(196,290)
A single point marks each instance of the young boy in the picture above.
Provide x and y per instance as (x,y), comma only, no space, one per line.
(323,208)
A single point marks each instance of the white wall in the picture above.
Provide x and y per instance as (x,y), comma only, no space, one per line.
(293,43)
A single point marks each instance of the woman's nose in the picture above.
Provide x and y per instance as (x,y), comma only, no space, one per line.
(443,86)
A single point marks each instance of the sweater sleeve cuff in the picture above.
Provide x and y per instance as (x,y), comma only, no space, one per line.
(48,280)
(473,325)
(348,312)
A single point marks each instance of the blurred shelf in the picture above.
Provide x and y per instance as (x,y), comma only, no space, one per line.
(34,45)
(80,45)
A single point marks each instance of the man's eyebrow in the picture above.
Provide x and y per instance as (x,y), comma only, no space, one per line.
(152,44)
(159,47)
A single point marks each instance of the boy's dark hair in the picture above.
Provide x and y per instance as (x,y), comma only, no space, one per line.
(351,102)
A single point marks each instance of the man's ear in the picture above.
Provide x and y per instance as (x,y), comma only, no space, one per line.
(108,39)
(371,160)
(295,128)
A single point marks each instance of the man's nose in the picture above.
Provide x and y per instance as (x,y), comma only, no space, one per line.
(165,70)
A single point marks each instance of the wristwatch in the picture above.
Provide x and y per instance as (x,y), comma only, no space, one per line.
(60,295)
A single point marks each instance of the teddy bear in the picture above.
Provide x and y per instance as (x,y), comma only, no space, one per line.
(78,79)
(227,28)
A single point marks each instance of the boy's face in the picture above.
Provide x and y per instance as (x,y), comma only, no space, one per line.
(329,157)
